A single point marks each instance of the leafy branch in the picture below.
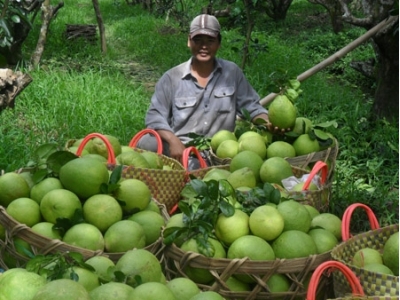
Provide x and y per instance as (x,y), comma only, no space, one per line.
(205,200)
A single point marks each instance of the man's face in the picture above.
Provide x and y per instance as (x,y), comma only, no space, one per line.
(203,47)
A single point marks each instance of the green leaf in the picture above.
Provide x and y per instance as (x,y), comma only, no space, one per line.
(226,208)
(59,158)
(39,175)
(116,174)
(44,151)
(4,26)
(327,124)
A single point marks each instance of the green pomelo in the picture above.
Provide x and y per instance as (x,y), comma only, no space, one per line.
(295,216)
(25,211)
(294,244)
(59,203)
(88,279)
(228,229)
(208,295)
(311,210)
(124,235)
(378,268)
(153,206)
(88,146)
(242,177)
(324,239)
(152,291)
(46,229)
(219,137)
(248,159)
(216,174)
(254,143)
(278,283)
(266,222)
(102,266)
(282,112)
(251,246)
(98,157)
(84,176)
(183,288)
(12,186)
(84,235)
(134,159)
(62,289)
(366,256)
(135,194)
(152,224)
(390,253)
(154,160)
(280,149)
(111,290)
(302,125)
(227,149)
(43,187)
(139,262)
(202,275)
(274,169)
(248,134)
(28,176)
(102,211)
(329,222)
(74,150)
(175,220)
(99,147)
(305,145)
(19,284)
(236,285)
(125,148)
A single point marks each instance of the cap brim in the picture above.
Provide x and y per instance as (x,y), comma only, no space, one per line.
(204,32)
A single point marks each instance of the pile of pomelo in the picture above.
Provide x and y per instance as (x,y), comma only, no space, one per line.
(137,275)
(286,230)
(81,206)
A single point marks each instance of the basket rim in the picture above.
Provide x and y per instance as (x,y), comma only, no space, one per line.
(246,265)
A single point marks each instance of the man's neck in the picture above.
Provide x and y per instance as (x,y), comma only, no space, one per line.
(202,69)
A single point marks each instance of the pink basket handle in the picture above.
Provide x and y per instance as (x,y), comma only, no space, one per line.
(141,133)
(110,150)
(355,284)
(318,166)
(195,151)
(185,162)
(347,218)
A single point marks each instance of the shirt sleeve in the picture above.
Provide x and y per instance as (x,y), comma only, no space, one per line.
(247,98)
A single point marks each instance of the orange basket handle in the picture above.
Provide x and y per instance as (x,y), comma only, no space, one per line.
(185,162)
(110,150)
(141,133)
(318,166)
(347,218)
(195,151)
(355,284)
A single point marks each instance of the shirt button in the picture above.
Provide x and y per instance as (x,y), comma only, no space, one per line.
(206,105)
(184,103)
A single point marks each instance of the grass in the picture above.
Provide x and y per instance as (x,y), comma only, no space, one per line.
(78,90)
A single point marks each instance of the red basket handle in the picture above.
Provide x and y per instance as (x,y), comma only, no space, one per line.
(318,166)
(110,150)
(185,162)
(355,284)
(347,218)
(195,151)
(141,133)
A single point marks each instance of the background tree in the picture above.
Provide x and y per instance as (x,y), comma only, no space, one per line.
(384,67)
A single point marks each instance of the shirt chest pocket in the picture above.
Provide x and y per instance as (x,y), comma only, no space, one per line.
(185,102)
(224,98)
(184,108)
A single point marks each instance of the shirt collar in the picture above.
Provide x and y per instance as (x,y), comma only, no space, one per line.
(186,71)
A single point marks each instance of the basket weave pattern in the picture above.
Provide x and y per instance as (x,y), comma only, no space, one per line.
(42,245)
(374,284)
(297,270)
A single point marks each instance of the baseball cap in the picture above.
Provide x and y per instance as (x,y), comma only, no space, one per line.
(205,24)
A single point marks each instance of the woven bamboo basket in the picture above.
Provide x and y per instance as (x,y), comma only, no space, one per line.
(374,284)
(40,244)
(297,270)
(164,185)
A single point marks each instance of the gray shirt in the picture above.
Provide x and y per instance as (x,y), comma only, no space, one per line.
(180,105)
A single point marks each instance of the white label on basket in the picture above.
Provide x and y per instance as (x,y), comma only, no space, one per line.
(290,182)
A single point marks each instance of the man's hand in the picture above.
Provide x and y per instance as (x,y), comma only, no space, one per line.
(176,147)
(269,125)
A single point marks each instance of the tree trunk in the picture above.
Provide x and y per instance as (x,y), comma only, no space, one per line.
(277,9)
(386,102)
(11,84)
(335,11)
(101,26)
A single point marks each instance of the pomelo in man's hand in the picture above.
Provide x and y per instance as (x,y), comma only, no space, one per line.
(84,176)
(282,112)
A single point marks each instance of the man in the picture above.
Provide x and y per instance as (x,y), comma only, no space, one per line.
(203,95)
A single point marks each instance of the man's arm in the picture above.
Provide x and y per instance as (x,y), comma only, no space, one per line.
(176,147)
